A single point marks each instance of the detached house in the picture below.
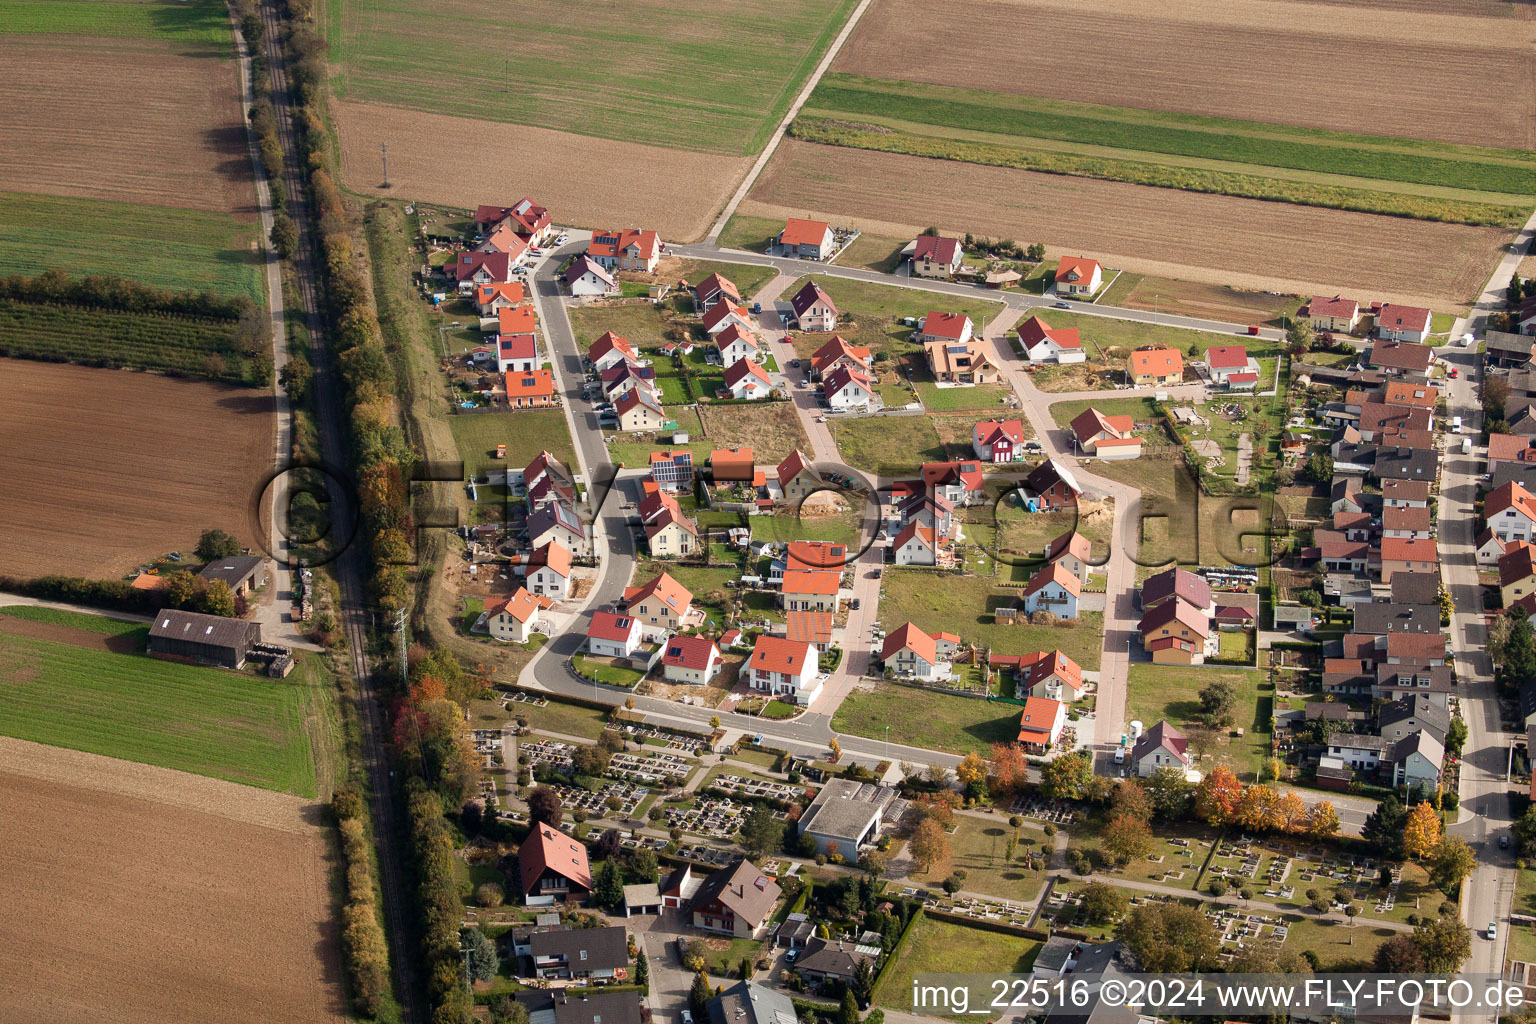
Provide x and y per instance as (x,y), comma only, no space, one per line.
(1151,367)
(735,901)
(796,477)
(473,269)
(1053,589)
(1401,555)
(998,440)
(610,350)
(1402,323)
(910,653)
(1107,437)
(527,219)
(694,660)
(557,522)
(1049,674)
(1046,344)
(1517,572)
(746,381)
(838,353)
(1051,486)
(1335,314)
(961,483)
(1511,513)
(1177,633)
(530,389)
(844,388)
(549,572)
(807,239)
(933,256)
(629,249)
(515,618)
(1160,746)
(662,605)
(552,867)
(1232,367)
(814,309)
(1041,724)
(638,410)
(585,276)
(949,328)
(613,635)
(725,315)
(957,362)
(812,591)
(917,545)
(491,298)
(1078,275)
(736,342)
(715,288)
(787,669)
(671,534)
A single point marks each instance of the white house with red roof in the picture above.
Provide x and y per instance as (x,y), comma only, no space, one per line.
(838,352)
(694,660)
(517,353)
(610,350)
(552,866)
(1403,323)
(1053,589)
(549,571)
(1107,437)
(1049,674)
(514,618)
(797,480)
(745,380)
(663,605)
(917,545)
(627,249)
(504,240)
(998,440)
(845,388)
(715,288)
(1041,724)
(936,256)
(525,217)
(1335,314)
(736,342)
(961,483)
(1231,366)
(473,269)
(497,295)
(787,669)
(1078,275)
(910,653)
(949,328)
(807,239)
(724,315)
(586,277)
(1510,510)
(613,635)
(1046,344)
(813,308)
(1161,746)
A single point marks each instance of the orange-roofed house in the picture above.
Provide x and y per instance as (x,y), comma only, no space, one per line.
(959,362)
(1400,554)
(812,591)
(492,297)
(1178,633)
(503,239)
(797,480)
(553,867)
(514,619)
(838,353)
(910,653)
(516,320)
(724,315)
(936,256)
(694,660)
(1155,367)
(532,389)
(787,669)
(951,328)
(1051,675)
(1078,275)
(806,239)
(732,465)
(627,249)
(1403,323)
(746,381)
(1072,550)
(549,571)
(1508,449)
(715,288)
(1053,589)
(1335,314)
(610,350)
(1511,513)
(917,545)
(1041,724)
(1108,437)
(663,605)
(1517,572)
(528,219)
(1046,344)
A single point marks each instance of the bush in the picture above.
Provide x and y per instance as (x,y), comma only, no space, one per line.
(490,894)
(1218,887)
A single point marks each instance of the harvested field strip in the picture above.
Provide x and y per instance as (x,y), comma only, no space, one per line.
(1245,186)
(73,620)
(193,250)
(203,22)
(106,337)
(241,728)
(1493,170)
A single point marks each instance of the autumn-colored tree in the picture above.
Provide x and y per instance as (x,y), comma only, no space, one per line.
(1132,799)
(971,770)
(1322,820)
(1421,836)
(1453,862)
(426,689)
(930,844)
(940,809)
(1128,838)
(1256,809)
(1008,769)
(1217,797)
(1290,813)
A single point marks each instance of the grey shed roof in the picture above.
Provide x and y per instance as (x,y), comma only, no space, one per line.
(604,947)
(749,1003)
(845,809)
(1380,618)
(1054,954)
(746,891)
(1415,587)
(195,627)
(556,1006)
(231,570)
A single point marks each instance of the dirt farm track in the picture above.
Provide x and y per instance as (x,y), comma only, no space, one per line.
(215,907)
(106,468)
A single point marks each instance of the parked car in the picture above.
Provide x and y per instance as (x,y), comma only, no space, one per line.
(1455,373)
(1061,305)
(854,604)
(791,956)
(1493,930)
(1503,842)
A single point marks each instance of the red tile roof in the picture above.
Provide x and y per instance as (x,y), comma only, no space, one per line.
(548,850)
(1054,573)
(512,291)
(1403,318)
(914,530)
(611,626)
(1035,330)
(1042,665)
(735,333)
(793,465)
(1518,562)
(909,637)
(780,654)
(803,232)
(741,369)
(1038,720)
(810,294)
(1406,549)
(811,555)
(1075,268)
(722,310)
(946,326)
(1091,422)
(690,652)
(1418,646)
(1337,307)
(1505,447)
(670,592)
(968,474)
(938,249)
(1226,357)
(610,342)
(1404,517)
(555,557)
(732,463)
(516,320)
(991,431)
(811,627)
(1401,392)
(838,348)
(1159,362)
(1507,496)
(715,287)
(530,384)
(822,582)
(840,378)
(610,243)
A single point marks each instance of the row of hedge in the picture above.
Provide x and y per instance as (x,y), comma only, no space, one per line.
(362,938)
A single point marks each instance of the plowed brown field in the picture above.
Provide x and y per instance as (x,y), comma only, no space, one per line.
(1457,77)
(1218,239)
(141,895)
(129,122)
(103,469)
(586,181)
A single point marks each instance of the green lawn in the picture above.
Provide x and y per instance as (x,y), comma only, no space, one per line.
(749,233)
(1108,332)
(683,76)
(644,325)
(75,620)
(842,529)
(887,445)
(602,673)
(963,605)
(939,947)
(984,397)
(180,250)
(234,726)
(928,719)
(879,253)
(566,719)
(980,849)
(1139,409)
(1334,941)
(525,434)
(199,24)
(1172,692)
(747,277)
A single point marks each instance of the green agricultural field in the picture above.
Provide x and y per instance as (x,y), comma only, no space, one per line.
(203,23)
(1403,177)
(74,620)
(234,726)
(688,76)
(193,346)
(525,434)
(192,250)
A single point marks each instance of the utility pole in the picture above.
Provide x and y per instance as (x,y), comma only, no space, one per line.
(384,150)
(405,682)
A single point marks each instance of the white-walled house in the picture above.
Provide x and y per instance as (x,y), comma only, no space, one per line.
(515,618)
(694,660)
(613,635)
(787,669)
(847,389)
(586,277)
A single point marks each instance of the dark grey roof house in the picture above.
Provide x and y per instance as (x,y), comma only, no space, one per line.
(243,574)
(559,1006)
(206,638)
(748,1003)
(579,952)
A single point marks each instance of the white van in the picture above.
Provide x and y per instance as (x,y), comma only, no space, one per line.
(1466,446)
(1456,424)
(1119,755)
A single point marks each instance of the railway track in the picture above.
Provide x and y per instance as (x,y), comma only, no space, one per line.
(349,568)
